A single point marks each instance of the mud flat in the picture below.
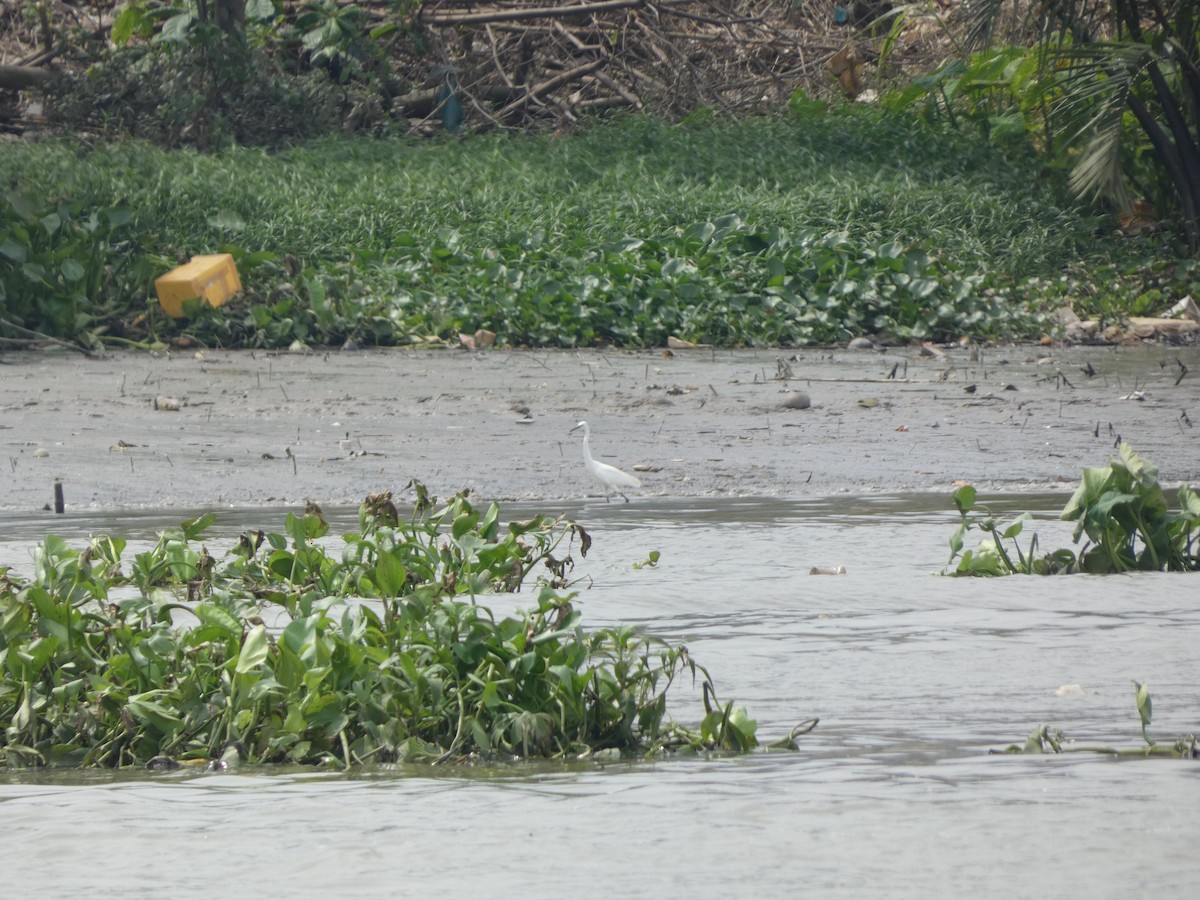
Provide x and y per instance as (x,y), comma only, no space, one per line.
(132,430)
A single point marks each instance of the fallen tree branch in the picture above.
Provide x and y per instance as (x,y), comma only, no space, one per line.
(511,15)
(550,84)
(39,336)
(628,96)
(20,78)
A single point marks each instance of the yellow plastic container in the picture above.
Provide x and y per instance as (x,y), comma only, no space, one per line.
(215,278)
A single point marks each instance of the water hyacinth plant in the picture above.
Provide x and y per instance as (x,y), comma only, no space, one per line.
(812,229)
(294,654)
(1045,739)
(1121,508)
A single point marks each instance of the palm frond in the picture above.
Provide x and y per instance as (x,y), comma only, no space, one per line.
(1099,174)
(1095,81)
(1083,20)
(981,17)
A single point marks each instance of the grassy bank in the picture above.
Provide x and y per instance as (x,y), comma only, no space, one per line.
(765,232)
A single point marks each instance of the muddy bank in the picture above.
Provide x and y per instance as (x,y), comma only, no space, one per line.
(257,428)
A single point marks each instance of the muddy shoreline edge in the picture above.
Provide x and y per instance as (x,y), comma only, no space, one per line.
(250,428)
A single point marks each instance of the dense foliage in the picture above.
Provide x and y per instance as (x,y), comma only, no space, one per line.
(290,652)
(207,90)
(830,225)
(1107,88)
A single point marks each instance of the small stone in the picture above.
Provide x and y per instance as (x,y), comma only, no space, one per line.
(796,400)
(860,343)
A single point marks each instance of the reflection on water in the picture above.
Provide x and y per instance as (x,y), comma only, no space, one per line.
(914,677)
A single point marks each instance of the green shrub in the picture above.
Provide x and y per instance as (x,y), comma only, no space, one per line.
(202,88)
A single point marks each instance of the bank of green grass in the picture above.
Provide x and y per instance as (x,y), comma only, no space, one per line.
(764,232)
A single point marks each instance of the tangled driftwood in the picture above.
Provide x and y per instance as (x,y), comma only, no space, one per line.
(528,64)
(537,64)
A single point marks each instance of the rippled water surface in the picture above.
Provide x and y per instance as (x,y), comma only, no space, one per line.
(914,677)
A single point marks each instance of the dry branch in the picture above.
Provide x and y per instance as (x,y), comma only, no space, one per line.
(519,13)
(540,64)
(549,85)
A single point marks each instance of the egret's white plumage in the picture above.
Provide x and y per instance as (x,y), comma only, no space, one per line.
(612,478)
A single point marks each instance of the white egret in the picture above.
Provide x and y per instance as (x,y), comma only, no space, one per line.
(611,477)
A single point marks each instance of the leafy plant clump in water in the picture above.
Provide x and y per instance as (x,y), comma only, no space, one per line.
(1122,510)
(294,653)
(1045,739)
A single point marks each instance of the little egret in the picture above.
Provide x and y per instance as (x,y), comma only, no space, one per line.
(611,477)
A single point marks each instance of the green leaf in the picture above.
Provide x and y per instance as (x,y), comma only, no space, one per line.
(956,540)
(222,619)
(964,499)
(194,529)
(14,251)
(71,270)
(118,216)
(300,636)
(1017,524)
(254,650)
(390,575)
(151,712)
(176,28)
(1144,706)
(129,21)
(259,10)
(1092,484)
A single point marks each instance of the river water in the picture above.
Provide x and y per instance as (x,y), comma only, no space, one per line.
(915,678)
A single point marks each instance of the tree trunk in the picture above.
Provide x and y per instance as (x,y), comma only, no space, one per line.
(20,78)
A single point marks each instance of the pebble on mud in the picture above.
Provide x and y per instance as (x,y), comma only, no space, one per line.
(797,400)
